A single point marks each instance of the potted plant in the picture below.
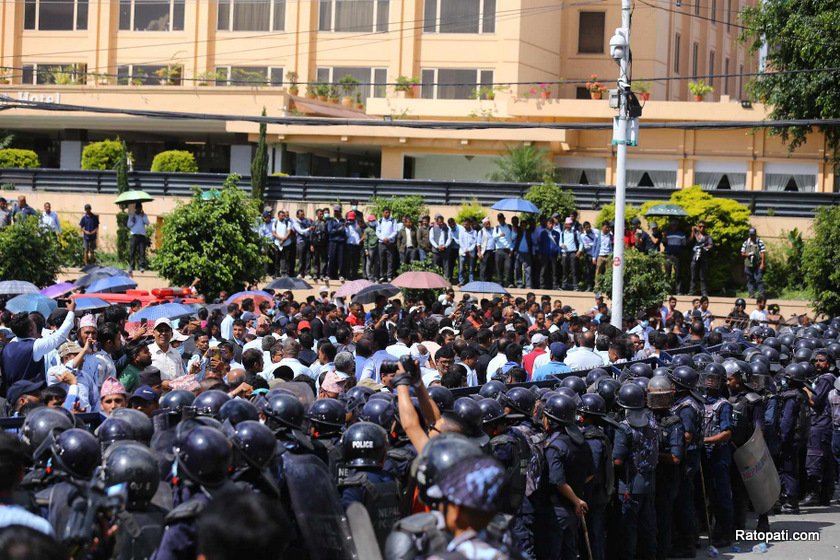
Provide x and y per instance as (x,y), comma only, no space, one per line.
(596,88)
(321,91)
(700,89)
(406,87)
(205,78)
(348,86)
(292,77)
(484,92)
(169,75)
(310,91)
(332,94)
(359,105)
(642,90)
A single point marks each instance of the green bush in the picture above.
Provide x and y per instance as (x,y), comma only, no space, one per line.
(727,222)
(783,264)
(470,210)
(30,252)
(17,158)
(551,199)
(70,244)
(821,261)
(214,240)
(102,155)
(175,161)
(523,164)
(400,206)
(607,213)
(645,285)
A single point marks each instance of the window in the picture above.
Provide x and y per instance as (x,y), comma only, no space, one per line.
(55,15)
(253,76)
(660,174)
(453,83)
(371,80)
(713,11)
(152,15)
(591,33)
(677,39)
(58,74)
(346,16)
(148,75)
(696,7)
(741,82)
(796,177)
(728,15)
(712,68)
(580,171)
(726,77)
(695,59)
(252,15)
(460,16)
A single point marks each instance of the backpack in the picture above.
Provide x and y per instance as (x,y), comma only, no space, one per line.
(536,462)
(517,473)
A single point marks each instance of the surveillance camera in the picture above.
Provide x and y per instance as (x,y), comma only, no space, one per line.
(618,45)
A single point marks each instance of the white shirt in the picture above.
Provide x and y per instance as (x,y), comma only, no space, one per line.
(296,366)
(467,240)
(498,361)
(582,358)
(51,221)
(387,228)
(758,316)
(137,224)
(440,236)
(226,327)
(486,240)
(169,363)
(409,242)
(399,349)
(42,346)
(541,360)
(281,228)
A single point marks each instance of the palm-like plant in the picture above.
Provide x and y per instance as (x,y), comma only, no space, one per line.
(523,164)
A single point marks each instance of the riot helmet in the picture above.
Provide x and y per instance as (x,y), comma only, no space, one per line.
(113,429)
(209,403)
(560,409)
(175,401)
(594,375)
(364,445)
(639,369)
(491,411)
(660,393)
(631,396)
(492,389)
(574,383)
(439,454)
(203,456)
(40,423)
(607,388)
(592,403)
(238,410)
(135,465)
(443,397)
(380,412)
(284,412)
(682,360)
(254,443)
(467,412)
(520,401)
(327,416)
(76,452)
(712,377)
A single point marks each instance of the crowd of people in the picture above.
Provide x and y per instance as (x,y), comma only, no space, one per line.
(500,428)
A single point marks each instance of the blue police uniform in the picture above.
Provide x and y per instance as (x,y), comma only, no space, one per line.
(716,461)
(600,488)
(747,416)
(638,449)
(793,427)
(818,458)
(179,541)
(668,476)
(690,412)
(522,527)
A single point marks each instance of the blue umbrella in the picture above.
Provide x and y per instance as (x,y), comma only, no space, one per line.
(90,304)
(30,303)
(516,205)
(15,287)
(164,310)
(484,288)
(98,274)
(112,285)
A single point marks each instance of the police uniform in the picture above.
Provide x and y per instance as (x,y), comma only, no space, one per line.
(716,461)
(668,478)
(818,459)
(379,492)
(638,448)
(600,489)
(747,416)
(522,526)
(179,541)
(793,434)
(690,412)
(140,532)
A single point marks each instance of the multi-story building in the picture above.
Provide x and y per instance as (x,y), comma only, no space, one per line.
(525,60)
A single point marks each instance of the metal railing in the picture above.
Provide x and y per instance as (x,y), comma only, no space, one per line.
(327,189)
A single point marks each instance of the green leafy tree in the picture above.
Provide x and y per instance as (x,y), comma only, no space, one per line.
(30,252)
(522,164)
(607,213)
(728,222)
(551,198)
(800,36)
(214,240)
(70,244)
(17,158)
(470,210)
(121,167)
(102,155)
(821,261)
(427,296)
(783,264)
(259,165)
(645,285)
(175,161)
(413,206)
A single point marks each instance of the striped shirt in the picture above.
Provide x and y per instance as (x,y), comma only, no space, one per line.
(746,246)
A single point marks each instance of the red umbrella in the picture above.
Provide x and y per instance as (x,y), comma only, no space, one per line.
(416,280)
(349,289)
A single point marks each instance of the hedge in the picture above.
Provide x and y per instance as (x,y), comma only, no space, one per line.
(102,155)
(15,157)
(175,161)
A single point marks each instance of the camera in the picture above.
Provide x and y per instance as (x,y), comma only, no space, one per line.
(618,45)
(92,511)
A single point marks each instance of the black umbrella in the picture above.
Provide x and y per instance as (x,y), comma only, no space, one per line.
(369,294)
(288,283)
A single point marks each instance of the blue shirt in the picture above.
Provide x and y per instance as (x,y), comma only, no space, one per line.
(137,224)
(551,368)
(12,514)
(89,223)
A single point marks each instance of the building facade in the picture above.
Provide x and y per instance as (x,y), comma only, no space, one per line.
(518,60)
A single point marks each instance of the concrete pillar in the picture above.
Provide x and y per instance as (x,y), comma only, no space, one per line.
(391,163)
(240,159)
(70,155)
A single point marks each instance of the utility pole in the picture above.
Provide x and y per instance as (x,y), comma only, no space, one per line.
(625,126)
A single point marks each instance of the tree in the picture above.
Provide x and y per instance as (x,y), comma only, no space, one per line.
(551,199)
(607,213)
(17,158)
(259,166)
(31,252)
(102,155)
(523,164)
(800,36)
(121,167)
(645,285)
(400,206)
(821,261)
(470,211)
(214,240)
(175,161)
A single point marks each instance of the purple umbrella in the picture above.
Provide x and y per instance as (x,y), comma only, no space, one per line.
(58,290)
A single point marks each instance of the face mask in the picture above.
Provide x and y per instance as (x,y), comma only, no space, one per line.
(180,350)
(645,324)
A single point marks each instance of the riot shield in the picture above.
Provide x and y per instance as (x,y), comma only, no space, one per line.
(317,509)
(364,536)
(758,472)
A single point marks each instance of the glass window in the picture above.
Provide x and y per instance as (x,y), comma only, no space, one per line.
(712,68)
(460,16)
(591,33)
(453,83)
(55,15)
(695,59)
(249,76)
(148,75)
(152,15)
(354,16)
(57,74)
(251,15)
(371,80)
(677,39)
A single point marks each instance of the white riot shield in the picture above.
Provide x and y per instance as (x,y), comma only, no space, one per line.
(757,470)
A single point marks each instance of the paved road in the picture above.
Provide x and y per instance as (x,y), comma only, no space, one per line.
(825,521)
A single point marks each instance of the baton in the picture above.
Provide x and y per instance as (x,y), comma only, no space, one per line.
(706,501)
(586,536)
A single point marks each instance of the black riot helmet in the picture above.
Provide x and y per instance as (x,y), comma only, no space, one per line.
(560,409)
(700,360)
(210,402)
(631,396)
(594,375)
(364,445)
(467,412)
(175,401)
(685,377)
(443,397)
(380,412)
(574,383)
(568,391)
(592,403)
(758,367)
(712,377)
(661,370)
(135,465)
(810,343)
(772,342)
(238,410)
(520,401)
(771,354)
(113,429)
(76,452)
(737,368)
(607,388)
(682,360)
(255,443)
(660,393)
(438,455)
(284,411)
(802,354)
(141,425)
(203,456)
(740,302)
(356,397)
(639,369)
(491,411)
(785,339)
(327,416)
(40,423)
(491,389)
(794,375)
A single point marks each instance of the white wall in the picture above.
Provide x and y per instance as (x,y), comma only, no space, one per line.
(240,159)
(452,168)
(70,155)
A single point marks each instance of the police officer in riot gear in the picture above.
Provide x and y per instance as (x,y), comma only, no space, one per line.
(254,452)
(235,411)
(510,448)
(209,403)
(793,433)
(717,453)
(326,422)
(818,459)
(635,455)
(568,467)
(174,405)
(39,425)
(592,419)
(400,452)
(142,428)
(660,398)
